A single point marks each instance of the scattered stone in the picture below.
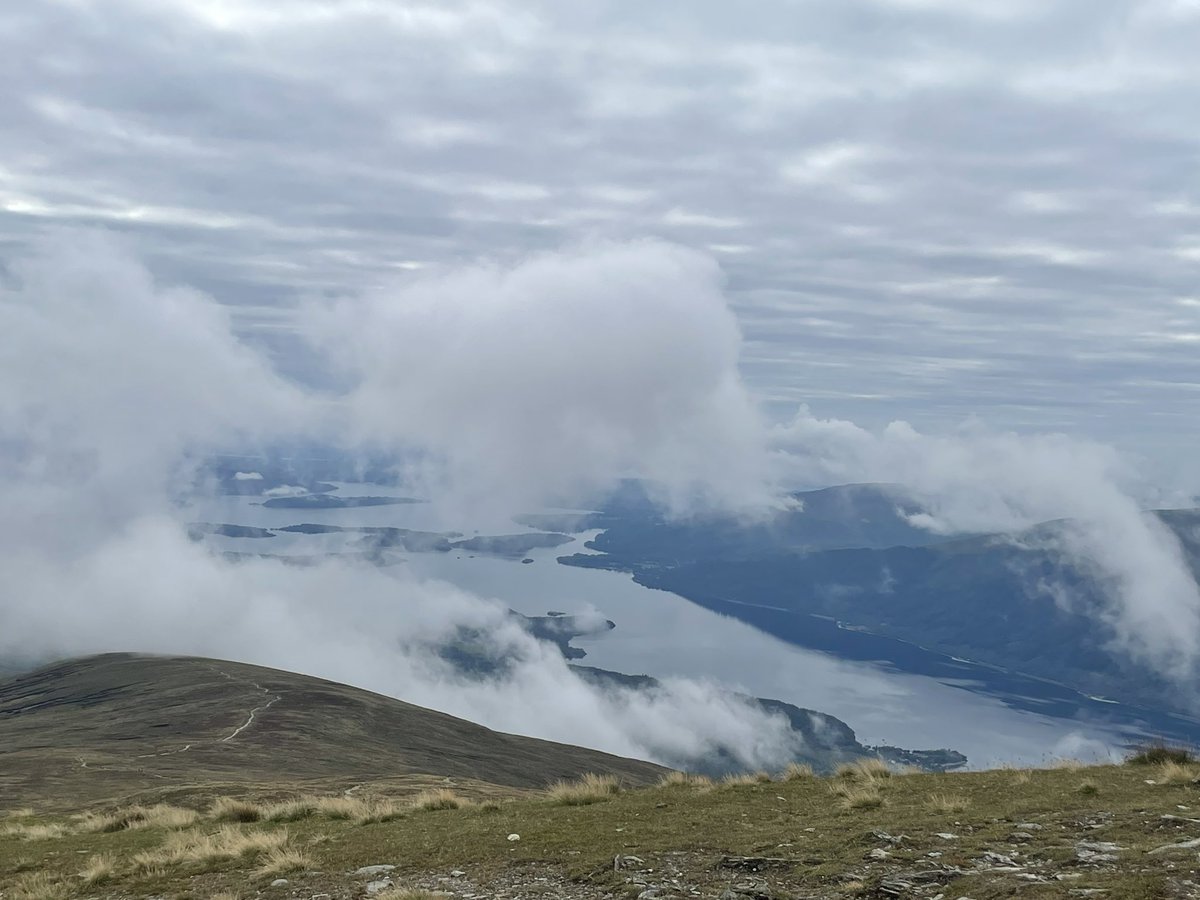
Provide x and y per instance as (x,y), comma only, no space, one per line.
(758,863)
(514,837)
(1096,852)
(373,870)
(1028,826)
(878,853)
(881,835)
(457,873)
(999,860)
(1182,845)
(1181,819)
(1020,837)
(946,836)
(374,887)
(279,882)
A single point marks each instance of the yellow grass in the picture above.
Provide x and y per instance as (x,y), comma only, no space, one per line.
(23,813)
(590,788)
(1174,773)
(869,768)
(378,811)
(685,779)
(1071,765)
(360,810)
(187,847)
(230,809)
(860,796)
(739,779)
(282,860)
(36,886)
(161,815)
(947,803)
(797,772)
(289,810)
(438,799)
(34,832)
(98,870)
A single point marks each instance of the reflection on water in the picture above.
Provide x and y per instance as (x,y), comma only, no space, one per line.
(662,634)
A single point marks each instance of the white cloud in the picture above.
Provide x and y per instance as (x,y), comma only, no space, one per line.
(978,480)
(561,372)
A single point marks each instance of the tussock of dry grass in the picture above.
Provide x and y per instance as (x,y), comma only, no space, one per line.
(739,779)
(98,870)
(1069,764)
(34,832)
(685,779)
(23,813)
(411,894)
(1157,754)
(869,768)
(797,772)
(438,799)
(289,810)
(230,809)
(359,810)
(225,895)
(341,808)
(1088,787)
(860,796)
(161,815)
(1174,773)
(36,886)
(380,811)
(591,788)
(194,847)
(947,803)
(1021,776)
(282,860)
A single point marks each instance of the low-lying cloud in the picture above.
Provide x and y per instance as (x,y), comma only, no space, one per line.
(511,384)
(558,374)
(978,480)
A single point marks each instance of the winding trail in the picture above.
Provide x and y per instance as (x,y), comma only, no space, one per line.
(254,712)
(251,716)
(250,719)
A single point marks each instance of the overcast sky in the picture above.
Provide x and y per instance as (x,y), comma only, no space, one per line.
(925,209)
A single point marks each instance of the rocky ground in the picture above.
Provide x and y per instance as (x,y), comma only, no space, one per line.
(1110,832)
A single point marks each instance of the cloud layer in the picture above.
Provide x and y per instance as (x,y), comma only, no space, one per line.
(927,209)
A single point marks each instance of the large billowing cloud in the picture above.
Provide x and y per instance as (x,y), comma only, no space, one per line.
(557,375)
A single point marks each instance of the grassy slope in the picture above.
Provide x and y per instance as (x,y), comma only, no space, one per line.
(109,726)
(683,837)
